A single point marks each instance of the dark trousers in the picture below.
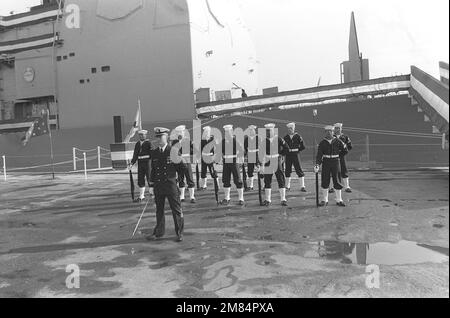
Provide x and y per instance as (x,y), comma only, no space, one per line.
(251,170)
(232,169)
(293,160)
(143,173)
(185,171)
(279,174)
(331,168)
(205,168)
(344,170)
(177,213)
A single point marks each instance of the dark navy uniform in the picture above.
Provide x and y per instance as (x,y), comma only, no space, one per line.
(230,162)
(251,152)
(184,168)
(141,155)
(209,154)
(296,145)
(328,154)
(346,140)
(280,150)
(164,177)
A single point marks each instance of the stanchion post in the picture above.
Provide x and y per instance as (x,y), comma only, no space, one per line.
(4,166)
(85,167)
(74,155)
(99,160)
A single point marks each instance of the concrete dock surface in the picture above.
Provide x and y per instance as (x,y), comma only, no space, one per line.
(392,240)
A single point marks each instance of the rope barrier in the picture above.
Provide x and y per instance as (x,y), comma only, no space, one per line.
(354,129)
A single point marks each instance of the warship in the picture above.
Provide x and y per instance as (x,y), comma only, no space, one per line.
(86,61)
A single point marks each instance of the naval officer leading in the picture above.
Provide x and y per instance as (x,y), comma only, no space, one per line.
(164,177)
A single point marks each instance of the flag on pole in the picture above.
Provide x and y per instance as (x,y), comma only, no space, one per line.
(137,125)
(39,127)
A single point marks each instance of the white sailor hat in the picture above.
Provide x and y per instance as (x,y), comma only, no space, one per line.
(143,132)
(269,126)
(252,127)
(181,128)
(207,128)
(290,125)
(159,131)
(329,127)
(228,127)
(338,125)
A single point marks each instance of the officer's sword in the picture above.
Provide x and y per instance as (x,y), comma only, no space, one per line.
(140,218)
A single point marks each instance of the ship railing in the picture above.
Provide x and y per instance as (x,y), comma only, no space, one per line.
(432,98)
(99,154)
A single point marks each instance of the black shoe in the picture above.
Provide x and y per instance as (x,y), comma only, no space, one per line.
(323,203)
(331,190)
(284,203)
(348,190)
(303,189)
(342,204)
(247,189)
(225,202)
(203,189)
(267,203)
(179,238)
(183,200)
(152,237)
(139,200)
(288,189)
(241,203)
(193,201)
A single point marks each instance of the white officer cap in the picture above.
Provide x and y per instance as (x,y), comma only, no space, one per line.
(252,127)
(159,131)
(290,125)
(228,127)
(269,126)
(329,127)
(143,132)
(208,128)
(338,125)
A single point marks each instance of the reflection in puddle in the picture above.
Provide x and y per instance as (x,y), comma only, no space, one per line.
(403,252)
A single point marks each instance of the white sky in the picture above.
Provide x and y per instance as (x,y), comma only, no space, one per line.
(299,41)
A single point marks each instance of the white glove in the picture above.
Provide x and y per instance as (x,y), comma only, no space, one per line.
(316,169)
(130,165)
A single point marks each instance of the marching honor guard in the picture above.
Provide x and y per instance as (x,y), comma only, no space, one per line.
(251,153)
(276,148)
(184,167)
(296,145)
(141,155)
(346,140)
(329,152)
(208,155)
(231,149)
(163,175)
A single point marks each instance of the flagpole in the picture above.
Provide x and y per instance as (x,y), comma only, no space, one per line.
(51,143)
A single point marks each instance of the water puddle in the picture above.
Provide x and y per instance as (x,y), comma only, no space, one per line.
(401,253)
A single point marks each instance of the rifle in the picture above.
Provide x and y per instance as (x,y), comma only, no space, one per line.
(216,190)
(317,189)
(259,189)
(131,184)
(197,175)
(244,175)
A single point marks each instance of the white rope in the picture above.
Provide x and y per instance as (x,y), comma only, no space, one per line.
(354,129)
